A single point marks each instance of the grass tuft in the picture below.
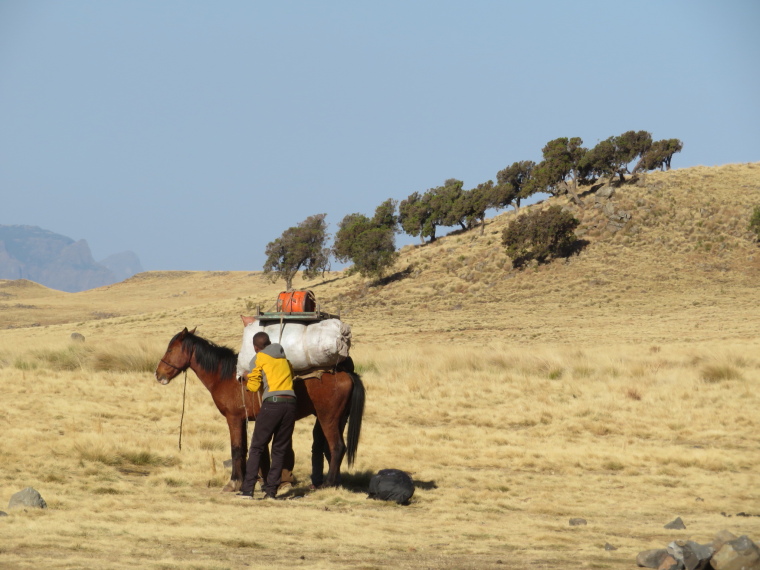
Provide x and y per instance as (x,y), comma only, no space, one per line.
(714,373)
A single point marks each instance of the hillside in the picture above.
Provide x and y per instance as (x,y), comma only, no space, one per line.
(668,259)
(618,387)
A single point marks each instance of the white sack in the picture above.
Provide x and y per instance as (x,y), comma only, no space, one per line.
(317,345)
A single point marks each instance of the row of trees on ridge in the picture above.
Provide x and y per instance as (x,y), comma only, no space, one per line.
(369,243)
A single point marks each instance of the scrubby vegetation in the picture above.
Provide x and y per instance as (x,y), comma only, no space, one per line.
(540,235)
(754,222)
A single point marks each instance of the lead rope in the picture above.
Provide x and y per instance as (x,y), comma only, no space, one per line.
(182,417)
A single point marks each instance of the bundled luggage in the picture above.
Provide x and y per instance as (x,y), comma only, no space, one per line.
(320,344)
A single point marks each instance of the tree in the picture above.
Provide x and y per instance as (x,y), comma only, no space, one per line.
(563,159)
(540,235)
(369,244)
(658,155)
(301,247)
(420,214)
(512,183)
(414,215)
(612,156)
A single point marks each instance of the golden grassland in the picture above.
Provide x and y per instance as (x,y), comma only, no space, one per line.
(620,387)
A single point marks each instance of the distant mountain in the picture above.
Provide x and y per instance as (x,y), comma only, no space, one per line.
(123,265)
(59,262)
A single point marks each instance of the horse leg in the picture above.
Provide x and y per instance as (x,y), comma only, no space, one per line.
(334,436)
(238,449)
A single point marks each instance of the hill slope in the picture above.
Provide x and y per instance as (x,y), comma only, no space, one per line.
(669,259)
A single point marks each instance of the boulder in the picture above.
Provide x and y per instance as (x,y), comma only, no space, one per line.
(651,558)
(578,522)
(692,555)
(721,538)
(738,554)
(605,193)
(669,563)
(27,498)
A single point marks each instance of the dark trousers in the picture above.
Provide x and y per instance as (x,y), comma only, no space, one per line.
(274,423)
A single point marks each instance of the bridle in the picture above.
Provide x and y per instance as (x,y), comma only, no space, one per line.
(177,368)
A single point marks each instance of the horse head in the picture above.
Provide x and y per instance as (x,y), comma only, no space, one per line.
(176,359)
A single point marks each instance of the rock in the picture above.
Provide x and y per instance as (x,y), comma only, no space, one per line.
(608,546)
(77,337)
(3,514)
(651,558)
(738,554)
(605,193)
(578,522)
(27,498)
(676,524)
(721,538)
(669,563)
(692,555)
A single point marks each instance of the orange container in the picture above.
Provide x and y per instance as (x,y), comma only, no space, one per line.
(299,301)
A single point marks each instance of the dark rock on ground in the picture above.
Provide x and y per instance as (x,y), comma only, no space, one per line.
(676,524)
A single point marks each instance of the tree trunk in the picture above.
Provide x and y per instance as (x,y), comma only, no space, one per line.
(574,194)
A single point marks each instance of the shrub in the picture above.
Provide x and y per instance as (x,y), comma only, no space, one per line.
(754,222)
(540,235)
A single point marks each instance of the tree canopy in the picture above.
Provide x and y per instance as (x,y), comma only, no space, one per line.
(512,184)
(370,244)
(612,156)
(300,247)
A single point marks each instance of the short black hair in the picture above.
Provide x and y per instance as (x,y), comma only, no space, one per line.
(261,340)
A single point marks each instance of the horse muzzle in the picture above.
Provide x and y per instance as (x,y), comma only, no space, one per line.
(162,377)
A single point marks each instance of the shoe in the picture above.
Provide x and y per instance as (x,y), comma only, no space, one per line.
(244,495)
(268,497)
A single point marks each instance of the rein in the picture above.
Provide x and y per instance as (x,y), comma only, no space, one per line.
(182,417)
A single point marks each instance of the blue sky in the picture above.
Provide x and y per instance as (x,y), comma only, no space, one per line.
(195,132)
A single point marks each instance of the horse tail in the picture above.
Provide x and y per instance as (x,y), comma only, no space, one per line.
(355,417)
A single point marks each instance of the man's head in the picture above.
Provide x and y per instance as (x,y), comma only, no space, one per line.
(261,341)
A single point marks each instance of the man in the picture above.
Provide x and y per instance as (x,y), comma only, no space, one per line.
(276,418)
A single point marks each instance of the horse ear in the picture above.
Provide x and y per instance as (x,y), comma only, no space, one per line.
(184,331)
(193,331)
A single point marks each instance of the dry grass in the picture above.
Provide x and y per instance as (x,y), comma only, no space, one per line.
(620,387)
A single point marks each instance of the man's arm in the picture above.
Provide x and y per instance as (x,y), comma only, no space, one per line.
(254,378)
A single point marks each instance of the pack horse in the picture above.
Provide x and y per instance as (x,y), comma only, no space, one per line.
(335,398)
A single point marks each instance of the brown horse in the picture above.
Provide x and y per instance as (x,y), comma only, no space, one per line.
(334,398)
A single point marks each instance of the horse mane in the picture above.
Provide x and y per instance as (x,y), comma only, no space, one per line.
(210,356)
